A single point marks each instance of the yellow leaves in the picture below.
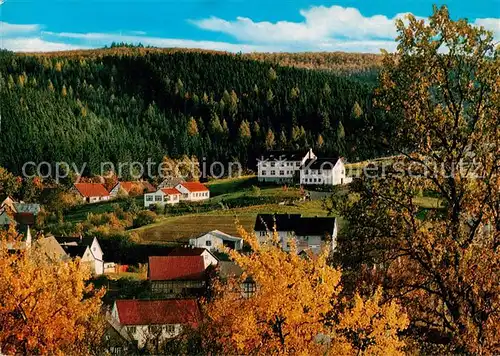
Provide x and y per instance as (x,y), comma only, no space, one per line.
(46,306)
(293,305)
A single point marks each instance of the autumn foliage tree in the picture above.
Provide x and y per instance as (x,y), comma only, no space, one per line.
(297,309)
(46,306)
(442,264)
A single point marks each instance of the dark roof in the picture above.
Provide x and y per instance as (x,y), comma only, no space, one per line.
(301,226)
(25,218)
(84,241)
(168,268)
(321,163)
(284,222)
(187,251)
(74,251)
(285,155)
(158,312)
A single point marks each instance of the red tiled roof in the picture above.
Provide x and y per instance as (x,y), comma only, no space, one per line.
(194,186)
(158,312)
(91,189)
(170,191)
(167,268)
(187,251)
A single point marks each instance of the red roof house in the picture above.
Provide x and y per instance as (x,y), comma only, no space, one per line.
(180,268)
(193,191)
(158,312)
(170,191)
(92,192)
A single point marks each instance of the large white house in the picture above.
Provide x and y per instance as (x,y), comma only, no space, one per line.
(193,191)
(323,171)
(216,240)
(162,197)
(309,233)
(154,321)
(188,191)
(282,166)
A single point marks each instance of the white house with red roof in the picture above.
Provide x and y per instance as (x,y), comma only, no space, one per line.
(193,191)
(153,321)
(162,197)
(91,192)
(188,191)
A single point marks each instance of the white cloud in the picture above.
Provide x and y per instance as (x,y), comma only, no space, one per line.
(490,24)
(320,24)
(34,44)
(8,28)
(102,39)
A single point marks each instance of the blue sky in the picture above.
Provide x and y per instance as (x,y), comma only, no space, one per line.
(236,25)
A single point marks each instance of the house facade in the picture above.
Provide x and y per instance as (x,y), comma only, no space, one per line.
(216,241)
(162,197)
(177,276)
(88,249)
(282,166)
(91,192)
(154,321)
(193,191)
(323,171)
(309,233)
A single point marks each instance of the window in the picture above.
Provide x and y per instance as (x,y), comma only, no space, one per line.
(273,164)
(307,171)
(297,164)
(208,243)
(158,198)
(262,233)
(263,173)
(149,198)
(249,289)
(153,329)
(273,173)
(166,197)
(170,328)
(282,173)
(131,329)
(314,180)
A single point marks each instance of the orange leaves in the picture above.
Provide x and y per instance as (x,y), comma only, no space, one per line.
(293,306)
(46,306)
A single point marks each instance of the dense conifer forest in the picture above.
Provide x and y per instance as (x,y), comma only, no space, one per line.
(131,104)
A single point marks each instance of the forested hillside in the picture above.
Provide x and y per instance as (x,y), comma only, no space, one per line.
(125,105)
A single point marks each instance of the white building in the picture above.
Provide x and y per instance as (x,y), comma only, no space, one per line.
(282,166)
(162,197)
(323,171)
(309,233)
(216,240)
(149,322)
(91,192)
(193,191)
(88,249)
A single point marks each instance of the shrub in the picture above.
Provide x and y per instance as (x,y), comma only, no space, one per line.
(144,217)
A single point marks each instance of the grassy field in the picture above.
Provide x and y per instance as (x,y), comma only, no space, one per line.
(178,228)
(80,212)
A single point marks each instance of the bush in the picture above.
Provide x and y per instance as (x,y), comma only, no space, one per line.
(144,217)
(255,190)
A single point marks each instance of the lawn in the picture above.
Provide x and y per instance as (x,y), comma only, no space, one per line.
(175,228)
(80,212)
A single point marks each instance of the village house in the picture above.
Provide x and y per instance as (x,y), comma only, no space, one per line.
(91,192)
(153,321)
(20,214)
(208,257)
(193,191)
(87,248)
(175,276)
(161,197)
(131,188)
(282,166)
(216,241)
(170,182)
(323,171)
(310,233)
